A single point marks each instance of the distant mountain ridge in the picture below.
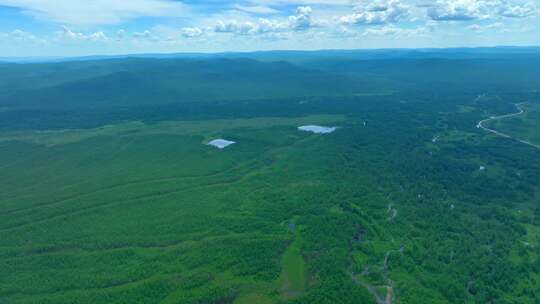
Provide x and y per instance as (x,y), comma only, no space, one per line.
(367,54)
(213,78)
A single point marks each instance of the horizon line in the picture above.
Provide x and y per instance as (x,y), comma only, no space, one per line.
(127,55)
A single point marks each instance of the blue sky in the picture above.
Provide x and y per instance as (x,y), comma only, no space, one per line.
(90,27)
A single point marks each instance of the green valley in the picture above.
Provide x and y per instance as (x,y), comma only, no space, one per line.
(109,192)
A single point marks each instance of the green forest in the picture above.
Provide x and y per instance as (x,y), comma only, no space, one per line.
(110,193)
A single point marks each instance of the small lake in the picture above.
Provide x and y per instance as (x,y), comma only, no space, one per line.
(221,143)
(317,129)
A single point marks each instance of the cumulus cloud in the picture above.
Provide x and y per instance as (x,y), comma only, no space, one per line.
(312,20)
(98,36)
(192,32)
(303,2)
(143,35)
(391,30)
(481,28)
(265,26)
(20,36)
(68,34)
(301,21)
(94,12)
(466,10)
(377,13)
(240,28)
(507,9)
(459,10)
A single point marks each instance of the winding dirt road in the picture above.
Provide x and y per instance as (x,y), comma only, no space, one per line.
(480,125)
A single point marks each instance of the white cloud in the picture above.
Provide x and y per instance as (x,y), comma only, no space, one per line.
(382,31)
(343,31)
(240,28)
(301,21)
(19,36)
(377,13)
(465,10)
(475,27)
(271,26)
(304,2)
(94,12)
(98,36)
(395,31)
(459,10)
(256,9)
(481,28)
(507,9)
(143,35)
(68,34)
(192,32)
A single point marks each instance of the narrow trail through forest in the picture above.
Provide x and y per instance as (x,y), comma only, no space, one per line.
(374,289)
